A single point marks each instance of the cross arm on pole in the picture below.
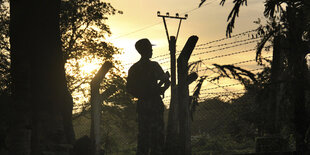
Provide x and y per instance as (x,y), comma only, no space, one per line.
(175,17)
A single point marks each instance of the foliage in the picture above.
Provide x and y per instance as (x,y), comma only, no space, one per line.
(288,28)
(83,33)
(194,98)
(83,29)
(232,15)
(83,36)
(230,126)
(235,72)
(4,48)
(219,127)
(220,145)
(273,9)
(118,128)
(5,81)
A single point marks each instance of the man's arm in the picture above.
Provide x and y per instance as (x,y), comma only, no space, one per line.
(130,85)
(164,81)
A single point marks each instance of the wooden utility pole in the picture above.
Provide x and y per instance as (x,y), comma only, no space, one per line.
(96,101)
(172,127)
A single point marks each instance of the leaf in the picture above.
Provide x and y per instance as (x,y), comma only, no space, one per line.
(235,73)
(202,1)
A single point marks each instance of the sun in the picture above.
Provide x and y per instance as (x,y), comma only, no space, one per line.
(89,66)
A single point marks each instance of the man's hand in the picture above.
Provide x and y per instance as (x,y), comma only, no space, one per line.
(166,82)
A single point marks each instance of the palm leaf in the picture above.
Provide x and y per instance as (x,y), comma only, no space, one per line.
(202,1)
(194,99)
(261,45)
(273,6)
(235,73)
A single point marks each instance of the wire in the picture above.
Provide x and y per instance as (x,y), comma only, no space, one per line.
(220,45)
(236,63)
(213,93)
(138,30)
(257,69)
(149,26)
(211,47)
(223,86)
(242,42)
(230,54)
(236,35)
(224,48)
(226,92)
(212,51)
(200,7)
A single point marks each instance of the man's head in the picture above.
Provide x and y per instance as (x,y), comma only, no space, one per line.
(144,47)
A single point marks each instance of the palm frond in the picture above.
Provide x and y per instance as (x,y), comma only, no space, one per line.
(202,1)
(235,73)
(194,65)
(261,45)
(194,98)
(272,7)
(233,14)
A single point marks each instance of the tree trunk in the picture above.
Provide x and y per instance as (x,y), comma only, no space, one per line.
(183,96)
(273,126)
(297,65)
(42,104)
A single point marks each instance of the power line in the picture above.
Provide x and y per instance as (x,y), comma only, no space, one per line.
(149,26)
(138,30)
(200,7)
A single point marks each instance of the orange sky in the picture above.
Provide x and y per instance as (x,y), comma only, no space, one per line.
(208,23)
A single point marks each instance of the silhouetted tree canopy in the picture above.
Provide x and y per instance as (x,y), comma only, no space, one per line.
(4,48)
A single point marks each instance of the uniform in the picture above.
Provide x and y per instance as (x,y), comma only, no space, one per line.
(142,82)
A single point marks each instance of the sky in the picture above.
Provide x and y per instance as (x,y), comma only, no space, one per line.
(139,20)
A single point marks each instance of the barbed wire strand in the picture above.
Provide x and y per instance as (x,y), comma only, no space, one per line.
(243,42)
(236,35)
(231,43)
(212,51)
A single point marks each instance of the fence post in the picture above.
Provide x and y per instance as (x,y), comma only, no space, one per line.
(183,96)
(96,101)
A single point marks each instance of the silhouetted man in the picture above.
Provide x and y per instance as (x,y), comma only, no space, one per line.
(147,81)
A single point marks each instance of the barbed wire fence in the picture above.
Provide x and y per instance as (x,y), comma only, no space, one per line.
(216,119)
